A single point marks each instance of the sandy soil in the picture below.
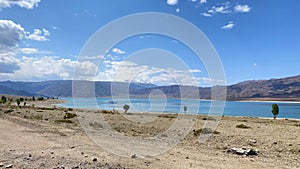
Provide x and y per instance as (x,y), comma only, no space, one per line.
(40,137)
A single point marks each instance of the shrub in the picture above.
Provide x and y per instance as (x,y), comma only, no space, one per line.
(40,99)
(242,126)
(205,131)
(18,102)
(63,121)
(3,99)
(209,118)
(9,111)
(69,115)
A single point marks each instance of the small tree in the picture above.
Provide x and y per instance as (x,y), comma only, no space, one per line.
(18,102)
(126,107)
(33,98)
(275,110)
(24,104)
(184,109)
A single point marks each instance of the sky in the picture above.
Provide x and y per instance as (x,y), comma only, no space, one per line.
(44,40)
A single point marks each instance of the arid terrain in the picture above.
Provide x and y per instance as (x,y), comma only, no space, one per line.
(47,136)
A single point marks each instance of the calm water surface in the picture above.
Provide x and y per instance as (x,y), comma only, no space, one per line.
(252,109)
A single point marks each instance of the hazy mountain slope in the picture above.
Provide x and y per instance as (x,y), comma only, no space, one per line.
(9,91)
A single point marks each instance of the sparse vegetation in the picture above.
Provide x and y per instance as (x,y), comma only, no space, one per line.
(209,118)
(69,115)
(205,131)
(243,120)
(171,116)
(95,125)
(63,121)
(275,110)
(9,111)
(40,99)
(242,126)
(107,112)
(36,117)
(126,107)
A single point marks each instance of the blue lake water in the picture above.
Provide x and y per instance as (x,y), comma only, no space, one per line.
(231,108)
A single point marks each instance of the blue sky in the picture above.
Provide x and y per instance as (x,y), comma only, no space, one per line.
(42,39)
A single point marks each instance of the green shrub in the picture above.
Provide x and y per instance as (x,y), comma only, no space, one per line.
(40,98)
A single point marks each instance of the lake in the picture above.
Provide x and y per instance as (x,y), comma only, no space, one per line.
(231,108)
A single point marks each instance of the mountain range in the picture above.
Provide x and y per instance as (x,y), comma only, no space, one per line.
(281,89)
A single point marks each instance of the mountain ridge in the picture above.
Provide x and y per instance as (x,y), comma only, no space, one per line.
(281,88)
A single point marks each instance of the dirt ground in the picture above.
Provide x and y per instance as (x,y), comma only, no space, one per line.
(46,136)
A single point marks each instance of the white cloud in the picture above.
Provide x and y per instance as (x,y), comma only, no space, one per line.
(177,10)
(229,26)
(48,67)
(39,35)
(91,57)
(125,71)
(28,50)
(28,4)
(206,14)
(224,8)
(203,1)
(10,33)
(118,51)
(242,8)
(172,2)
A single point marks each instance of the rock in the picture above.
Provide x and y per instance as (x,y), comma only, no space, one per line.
(1,164)
(243,151)
(133,156)
(61,167)
(77,166)
(85,155)
(274,142)
(95,159)
(72,147)
(29,155)
(51,152)
(9,166)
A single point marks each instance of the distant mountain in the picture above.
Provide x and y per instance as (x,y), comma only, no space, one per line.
(274,88)
(283,88)
(10,91)
(63,88)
